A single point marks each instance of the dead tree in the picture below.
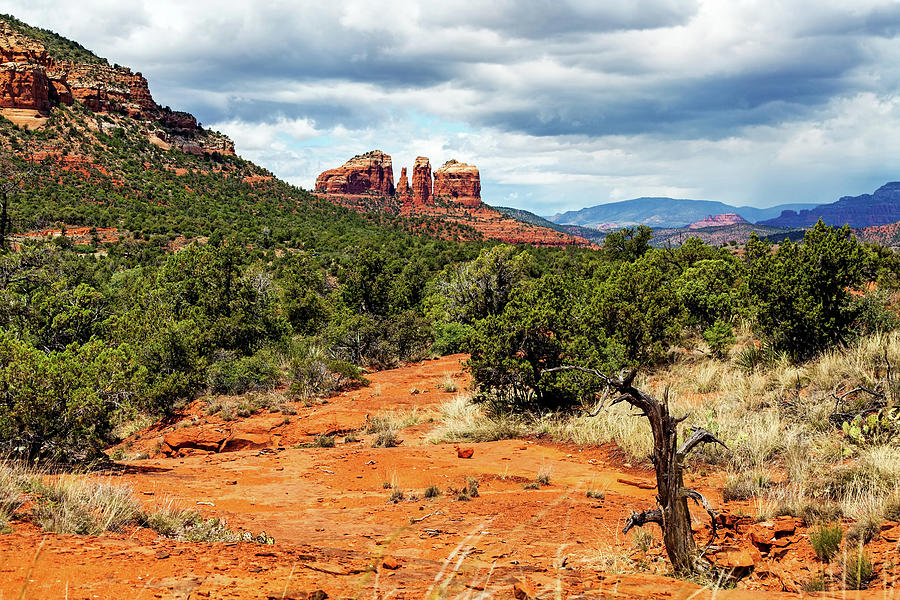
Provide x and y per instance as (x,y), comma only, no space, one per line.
(671,513)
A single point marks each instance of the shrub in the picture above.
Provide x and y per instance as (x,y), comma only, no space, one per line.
(825,541)
(432,491)
(64,405)
(720,338)
(324,441)
(595,494)
(801,292)
(237,375)
(858,570)
(385,439)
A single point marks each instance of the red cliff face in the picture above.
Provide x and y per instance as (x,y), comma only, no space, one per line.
(23,77)
(458,182)
(421,182)
(369,173)
(31,80)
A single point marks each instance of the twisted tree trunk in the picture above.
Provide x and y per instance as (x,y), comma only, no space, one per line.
(671,513)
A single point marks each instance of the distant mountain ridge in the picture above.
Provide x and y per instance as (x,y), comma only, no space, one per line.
(867,210)
(664,212)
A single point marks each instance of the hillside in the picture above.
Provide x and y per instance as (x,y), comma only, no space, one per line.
(887,235)
(530,218)
(662,212)
(879,208)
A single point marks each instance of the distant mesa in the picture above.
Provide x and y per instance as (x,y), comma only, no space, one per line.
(372,174)
(719,221)
(879,208)
(32,83)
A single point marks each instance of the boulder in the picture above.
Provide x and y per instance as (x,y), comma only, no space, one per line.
(187,439)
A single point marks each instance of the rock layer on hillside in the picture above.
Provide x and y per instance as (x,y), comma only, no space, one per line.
(369,173)
(880,208)
(421,182)
(31,80)
(458,182)
(718,221)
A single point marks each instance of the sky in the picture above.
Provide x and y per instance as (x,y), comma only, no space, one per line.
(561,104)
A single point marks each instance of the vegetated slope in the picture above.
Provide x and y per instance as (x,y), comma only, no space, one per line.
(887,235)
(879,208)
(661,212)
(58,47)
(717,236)
(531,218)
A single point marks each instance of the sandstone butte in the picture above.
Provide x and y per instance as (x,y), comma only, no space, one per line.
(451,194)
(32,83)
(719,221)
(458,182)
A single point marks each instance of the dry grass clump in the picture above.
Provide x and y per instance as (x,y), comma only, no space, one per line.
(75,504)
(462,420)
(230,408)
(386,426)
(11,496)
(84,505)
(393,420)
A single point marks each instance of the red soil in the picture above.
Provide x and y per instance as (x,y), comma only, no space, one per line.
(336,531)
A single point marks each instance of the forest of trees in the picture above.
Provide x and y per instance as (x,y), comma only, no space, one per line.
(276,287)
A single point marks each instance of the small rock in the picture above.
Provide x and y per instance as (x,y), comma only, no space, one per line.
(231,483)
(464,452)
(162,554)
(390,563)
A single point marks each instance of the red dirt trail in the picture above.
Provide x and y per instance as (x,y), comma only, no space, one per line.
(337,532)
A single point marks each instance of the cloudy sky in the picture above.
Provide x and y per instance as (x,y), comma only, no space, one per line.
(561,104)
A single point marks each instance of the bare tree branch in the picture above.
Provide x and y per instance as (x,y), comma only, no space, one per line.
(639,519)
(700,499)
(698,436)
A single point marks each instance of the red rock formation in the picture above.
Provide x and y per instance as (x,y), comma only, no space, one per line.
(719,221)
(403,190)
(369,173)
(458,182)
(24,86)
(30,80)
(421,182)
(110,89)
(362,184)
